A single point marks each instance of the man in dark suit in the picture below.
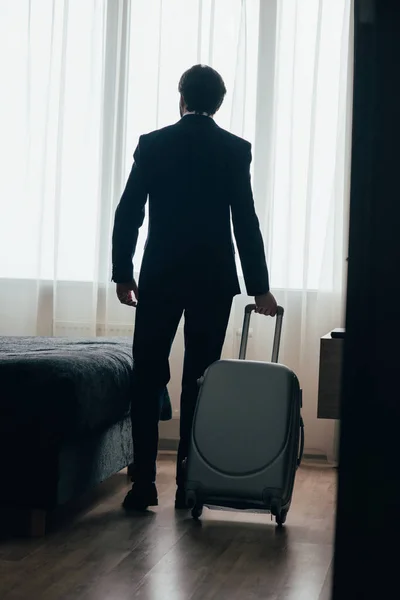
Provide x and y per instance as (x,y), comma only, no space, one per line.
(196,175)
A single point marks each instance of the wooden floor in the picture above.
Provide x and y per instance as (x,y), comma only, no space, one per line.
(103,554)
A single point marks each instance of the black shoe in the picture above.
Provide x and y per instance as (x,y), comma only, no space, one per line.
(141,496)
(180,499)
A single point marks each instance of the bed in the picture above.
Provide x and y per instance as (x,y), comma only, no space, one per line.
(64,415)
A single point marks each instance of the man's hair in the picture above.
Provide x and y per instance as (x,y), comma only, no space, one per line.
(203,89)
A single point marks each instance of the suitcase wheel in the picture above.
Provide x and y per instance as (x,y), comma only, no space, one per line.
(197,511)
(281,518)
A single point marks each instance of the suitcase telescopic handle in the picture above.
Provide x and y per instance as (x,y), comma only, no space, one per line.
(245,332)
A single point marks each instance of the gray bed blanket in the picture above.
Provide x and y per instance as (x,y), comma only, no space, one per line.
(61,387)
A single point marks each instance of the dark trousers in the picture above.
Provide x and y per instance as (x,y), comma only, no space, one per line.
(155,328)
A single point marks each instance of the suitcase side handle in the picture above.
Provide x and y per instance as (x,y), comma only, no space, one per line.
(245,332)
(301,445)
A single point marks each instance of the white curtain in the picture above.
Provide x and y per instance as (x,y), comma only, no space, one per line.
(82,80)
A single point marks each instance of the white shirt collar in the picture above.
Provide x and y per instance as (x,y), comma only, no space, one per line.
(204,114)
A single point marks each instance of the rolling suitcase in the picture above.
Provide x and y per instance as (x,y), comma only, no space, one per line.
(247,436)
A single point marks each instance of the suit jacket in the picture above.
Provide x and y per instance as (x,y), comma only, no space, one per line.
(196,176)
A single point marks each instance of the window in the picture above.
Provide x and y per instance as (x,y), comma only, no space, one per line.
(51,62)
(67,151)
(308,140)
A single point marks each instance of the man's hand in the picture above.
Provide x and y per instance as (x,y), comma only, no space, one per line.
(266,305)
(128,293)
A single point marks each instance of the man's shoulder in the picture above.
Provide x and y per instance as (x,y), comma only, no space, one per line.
(236,142)
(158,133)
(234,139)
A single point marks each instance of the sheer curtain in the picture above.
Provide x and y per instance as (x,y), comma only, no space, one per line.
(304,200)
(81,82)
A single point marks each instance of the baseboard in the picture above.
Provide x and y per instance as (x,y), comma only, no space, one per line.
(168,445)
(316,460)
(315,455)
(169,430)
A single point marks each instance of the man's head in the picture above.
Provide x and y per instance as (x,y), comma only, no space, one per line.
(202,90)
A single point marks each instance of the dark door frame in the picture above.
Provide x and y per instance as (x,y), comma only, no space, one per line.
(367,551)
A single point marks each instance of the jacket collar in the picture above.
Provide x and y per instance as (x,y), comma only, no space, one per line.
(194,119)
